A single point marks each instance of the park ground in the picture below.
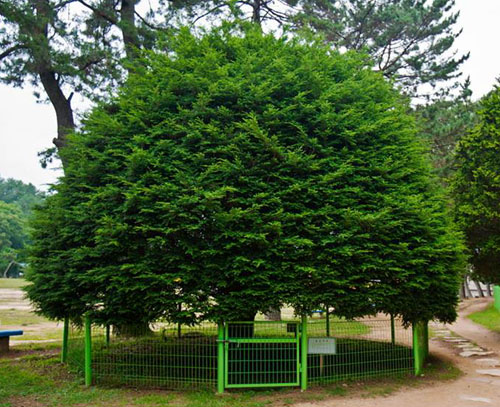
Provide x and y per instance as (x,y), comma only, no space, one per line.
(31,375)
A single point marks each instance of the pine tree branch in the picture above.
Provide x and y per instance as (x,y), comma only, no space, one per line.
(100,13)
(11,50)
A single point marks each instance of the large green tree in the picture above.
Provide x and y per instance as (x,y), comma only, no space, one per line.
(477,189)
(239,172)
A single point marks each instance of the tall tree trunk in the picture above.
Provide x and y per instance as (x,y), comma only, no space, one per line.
(479,289)
(468,294)
(62,107)
(274,314)
(244,330)
(461,291)
(43,66)
(129,29)
(256,13)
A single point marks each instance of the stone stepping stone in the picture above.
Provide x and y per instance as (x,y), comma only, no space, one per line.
(488,362)
(457,340)
(468,354)
(489,372)
(474,398)
(473,349)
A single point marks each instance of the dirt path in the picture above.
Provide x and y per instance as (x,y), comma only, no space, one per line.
(477,387)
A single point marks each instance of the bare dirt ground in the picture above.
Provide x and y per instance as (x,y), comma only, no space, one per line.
(16,313)
(473,388)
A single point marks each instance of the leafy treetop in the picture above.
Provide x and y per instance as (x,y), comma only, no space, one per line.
(239,172)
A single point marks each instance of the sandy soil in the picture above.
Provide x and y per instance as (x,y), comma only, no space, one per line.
(472,389)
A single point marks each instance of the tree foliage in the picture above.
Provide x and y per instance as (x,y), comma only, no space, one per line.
(12,233)
(442,124)
(70,47)
(25,196)
(17,200)
(87,47)
(411,41)
(237,173)
(477,189)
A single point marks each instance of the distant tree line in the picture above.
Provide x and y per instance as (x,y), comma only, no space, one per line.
(17,201)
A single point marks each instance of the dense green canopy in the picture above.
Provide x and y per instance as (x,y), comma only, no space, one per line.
(236,173)
(477,189)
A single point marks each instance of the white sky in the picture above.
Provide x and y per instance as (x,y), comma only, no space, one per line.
(27,127)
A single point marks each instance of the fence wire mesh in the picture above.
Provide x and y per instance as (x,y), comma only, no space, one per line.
(259,354)
(262,354)
(365,347)
(76,349)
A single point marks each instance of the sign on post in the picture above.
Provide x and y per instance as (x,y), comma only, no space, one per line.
(322,346)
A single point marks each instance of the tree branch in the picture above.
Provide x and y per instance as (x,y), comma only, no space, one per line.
(147,23)
(11,50)
(100,13)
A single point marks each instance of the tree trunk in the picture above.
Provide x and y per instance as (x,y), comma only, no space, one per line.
(245,330)
(461,291)
(479,289)
(132,330)
(274,314)
(490,291)
(43,66)
(129,30)
(62,107)
(256,14)
(468,294)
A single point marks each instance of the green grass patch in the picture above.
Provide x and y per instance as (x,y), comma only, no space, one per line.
(489,318)
(20,317)
(37,378)
(13,282)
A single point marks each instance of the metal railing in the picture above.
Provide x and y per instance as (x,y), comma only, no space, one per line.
(246,354)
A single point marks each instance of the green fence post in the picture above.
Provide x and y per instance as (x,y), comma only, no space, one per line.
(88,351)
(303,355)
(327,321)
(220,358)
(496,297)
(419,346)
(64,349)
(393,331)
(426,339)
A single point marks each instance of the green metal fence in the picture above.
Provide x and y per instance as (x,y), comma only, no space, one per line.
(261,354)
(365,347)
(242,354)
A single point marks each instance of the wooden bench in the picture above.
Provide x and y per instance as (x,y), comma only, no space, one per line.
(4,339)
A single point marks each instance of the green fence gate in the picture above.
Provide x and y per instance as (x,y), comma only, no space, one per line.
(261,354)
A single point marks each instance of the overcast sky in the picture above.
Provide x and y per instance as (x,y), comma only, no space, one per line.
(27,127)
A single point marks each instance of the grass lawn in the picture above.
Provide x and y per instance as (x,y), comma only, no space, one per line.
(13,282)
(33,376)
(489,318)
